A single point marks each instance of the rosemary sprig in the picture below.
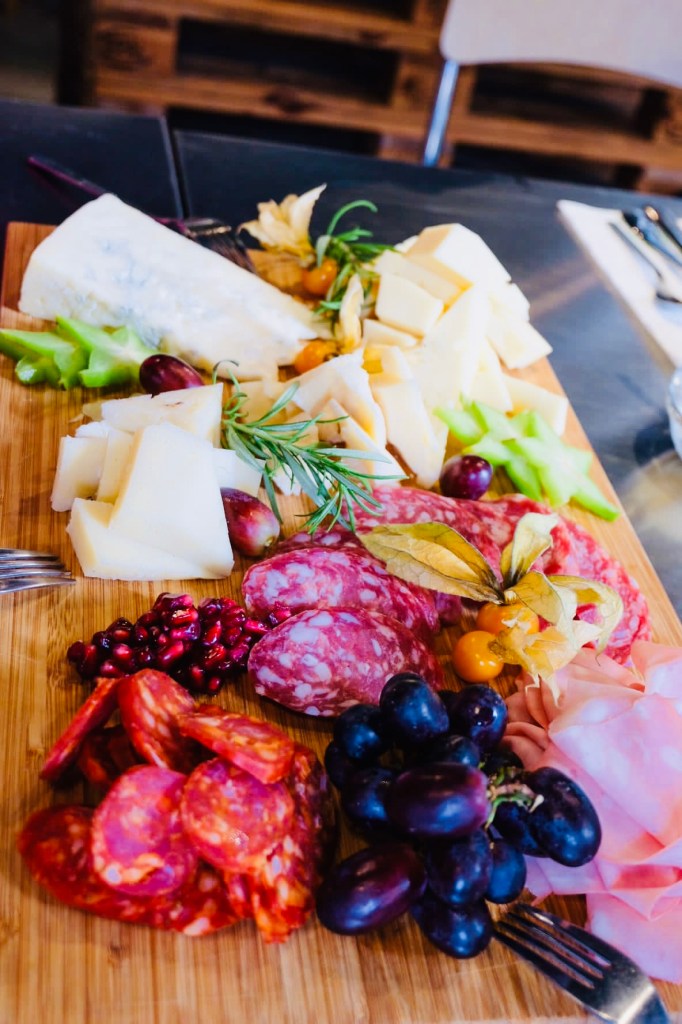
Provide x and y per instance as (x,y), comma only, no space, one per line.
(334,487)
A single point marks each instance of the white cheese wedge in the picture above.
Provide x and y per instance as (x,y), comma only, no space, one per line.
(95,429)
(409,429)
(516,341)
(105,554)
(459,254)
(169,496)
(261,395)
(232,471)
(346,380)
(197,410)
(116,458)
(508,298)
(489,384)
(389,361)
(79,467)
(375,332)
(379,463)
(329,424)
(111,265)
(390,262)
(526,395)
(403,304)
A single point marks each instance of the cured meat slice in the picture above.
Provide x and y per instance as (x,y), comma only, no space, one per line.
(283,891)
(55,844)
(105,755)
(489,525)
(233,819)
(320,662)
(251,744)
(139,846)
(150,704)
(93,713)
(341,577)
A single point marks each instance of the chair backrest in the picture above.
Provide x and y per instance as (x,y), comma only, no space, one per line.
(637,37)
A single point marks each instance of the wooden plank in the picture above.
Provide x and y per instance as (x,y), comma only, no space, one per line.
(61,966)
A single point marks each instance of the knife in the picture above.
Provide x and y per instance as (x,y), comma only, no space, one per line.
(652,228)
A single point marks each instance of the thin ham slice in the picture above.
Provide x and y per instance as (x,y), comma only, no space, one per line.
(618,732)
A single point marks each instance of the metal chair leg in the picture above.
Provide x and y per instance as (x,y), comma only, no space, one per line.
(440,114)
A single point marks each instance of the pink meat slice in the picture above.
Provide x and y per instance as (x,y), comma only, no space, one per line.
(91,715)
(318,577)
(322,661)
(618,733)
(251,744)
(151,703)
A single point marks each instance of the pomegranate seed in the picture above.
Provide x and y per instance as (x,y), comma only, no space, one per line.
(214,684)
(210,609)
(140,634)
(191,631)
(122,655)
(145,657)
(213,656)
(108,669)
(171,653)
(120,630)
(233,617)
(231,635)
(146,620)
(256,627)
(211,635)
(102,640)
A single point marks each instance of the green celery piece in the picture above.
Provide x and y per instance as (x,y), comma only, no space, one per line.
(533,425)
(32,369)
(524,477)
(114,356)
(493,421)
(557,484)
(489,448)
(68,357)
(588,495)
(461,423)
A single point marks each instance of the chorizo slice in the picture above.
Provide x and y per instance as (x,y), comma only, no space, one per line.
(139,846)
(105,755)
(93,713)
(252,745)
(150,703)
(233,819)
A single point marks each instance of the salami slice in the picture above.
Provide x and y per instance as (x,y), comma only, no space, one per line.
(139,846)
(251,744)
(320,662)
(150,704)
(283,890)
(105,755)
(55,845)
(233,819)
(336,537)
(97,709)
(341,577)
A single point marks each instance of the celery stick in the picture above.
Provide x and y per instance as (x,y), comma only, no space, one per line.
(461,423)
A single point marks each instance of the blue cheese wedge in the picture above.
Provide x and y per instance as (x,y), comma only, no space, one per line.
(109,265)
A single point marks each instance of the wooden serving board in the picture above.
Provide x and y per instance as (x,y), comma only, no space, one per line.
(61,966)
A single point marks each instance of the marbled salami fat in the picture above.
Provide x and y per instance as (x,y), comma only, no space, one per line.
(341,577)
(150,703)
(251,744)
(91,715)
(323,661)
(139,846)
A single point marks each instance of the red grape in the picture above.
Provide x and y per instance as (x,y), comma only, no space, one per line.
(162,372)
(252,525)
(465,476)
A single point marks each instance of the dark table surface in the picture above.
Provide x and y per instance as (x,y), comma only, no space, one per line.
(614,376)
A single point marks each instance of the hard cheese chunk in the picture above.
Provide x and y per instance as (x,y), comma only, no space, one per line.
(79,468)
(403,304)
(105,554)
(344,379)
(116,459)
(459,254)
(391,262)
(111,265)
(409,429)
(198,410)
(170,497)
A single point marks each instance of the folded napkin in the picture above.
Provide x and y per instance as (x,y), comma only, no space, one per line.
(626,272)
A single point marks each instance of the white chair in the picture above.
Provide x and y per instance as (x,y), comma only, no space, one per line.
(642,38)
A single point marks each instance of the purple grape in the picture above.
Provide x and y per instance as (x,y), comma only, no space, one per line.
(360,733)
(565,824)
(446,749)
(459,871)
(439,800)
(461,933)
(371,888)
(508,876)
(252,525)
(413,713)
(480,713)
(364,795)
(465,476)
(338,765)
(512,822)
(162,372)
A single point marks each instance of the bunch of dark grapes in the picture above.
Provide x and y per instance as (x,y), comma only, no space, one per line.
(448,812)
(199,646)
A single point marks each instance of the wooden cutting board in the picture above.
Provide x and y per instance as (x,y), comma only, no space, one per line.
(60,966)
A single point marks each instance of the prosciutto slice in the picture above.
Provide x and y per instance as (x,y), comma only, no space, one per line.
(618,732)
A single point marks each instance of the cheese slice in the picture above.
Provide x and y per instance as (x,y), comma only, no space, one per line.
(403,304)
(516,341)
(379,463)
(459,254)
(390,262)
(409,429)
(526,395)
(111,265)
(197,410)
(116,458)
(376,332)
(489,384)
(345,379)
(79,467)
(105,554)
(232,471)
(169,496)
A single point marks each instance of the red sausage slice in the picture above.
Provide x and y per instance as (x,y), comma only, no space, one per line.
(96,710)
(232,818)
(150,703)
(105,755)
(139,846)
(253,745)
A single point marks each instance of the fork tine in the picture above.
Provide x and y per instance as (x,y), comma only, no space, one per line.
(33,583)
(19,555)
(552,931)
(29,569)
(522,944)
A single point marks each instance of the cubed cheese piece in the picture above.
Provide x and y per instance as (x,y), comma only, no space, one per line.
(410,431)
(104,553)
(116,459)
(232,471)
(111,265)
(79,466)
(526,395)
(261,395)
(169,495)
(403,304)
(516,341)
(508,298)
(440,287)
(489,384)
(387,361)
(459,254)
(97,428)
(197,410)
(379,462)
(346,380)
(374,332)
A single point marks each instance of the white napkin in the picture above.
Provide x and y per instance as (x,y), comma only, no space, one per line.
(627,273)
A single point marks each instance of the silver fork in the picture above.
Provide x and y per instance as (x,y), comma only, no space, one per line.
(668,281)
(605,981)
(30,570)
(210,232)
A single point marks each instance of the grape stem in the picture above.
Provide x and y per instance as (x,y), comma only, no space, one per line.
(502,790)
